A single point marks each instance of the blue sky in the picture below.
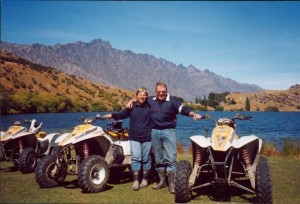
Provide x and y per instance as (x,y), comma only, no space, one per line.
(249,42)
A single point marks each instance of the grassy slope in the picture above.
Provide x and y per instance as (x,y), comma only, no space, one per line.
(44,80)
(284,100)
(40,79)
(18,188)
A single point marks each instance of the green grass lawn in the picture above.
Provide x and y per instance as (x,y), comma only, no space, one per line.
(22,188)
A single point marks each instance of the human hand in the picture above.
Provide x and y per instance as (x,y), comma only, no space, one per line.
(196,116)
(130,103)
(107,116)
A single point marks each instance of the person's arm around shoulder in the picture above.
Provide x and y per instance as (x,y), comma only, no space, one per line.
(130,103)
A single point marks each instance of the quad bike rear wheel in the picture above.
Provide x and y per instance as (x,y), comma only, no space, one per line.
(182,192)
(263,181)
(48,174)
(93,174)
(28,160)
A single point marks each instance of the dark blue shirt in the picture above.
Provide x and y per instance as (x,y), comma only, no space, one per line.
(163,114)
(140,124)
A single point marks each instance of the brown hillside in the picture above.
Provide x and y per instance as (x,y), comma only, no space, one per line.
(284,100)
(19,75)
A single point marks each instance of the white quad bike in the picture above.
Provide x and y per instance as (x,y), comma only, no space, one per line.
(24,146)
(90,152)
(224,161)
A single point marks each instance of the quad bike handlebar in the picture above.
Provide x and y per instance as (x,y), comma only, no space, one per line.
(91,120)
(242,117)
(227,121)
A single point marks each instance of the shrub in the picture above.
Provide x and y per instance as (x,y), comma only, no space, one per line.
(271,109)
(116,107)
(180,149)
(219,108)
(98,106)
(270,149)
(291,147)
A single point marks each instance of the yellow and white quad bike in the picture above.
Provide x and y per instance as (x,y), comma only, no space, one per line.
(223,163)
(24,146)
(90,152)
(9,149)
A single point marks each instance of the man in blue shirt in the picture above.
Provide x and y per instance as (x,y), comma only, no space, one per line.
(163,113)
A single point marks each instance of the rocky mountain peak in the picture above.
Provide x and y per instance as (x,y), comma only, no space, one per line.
(99,62)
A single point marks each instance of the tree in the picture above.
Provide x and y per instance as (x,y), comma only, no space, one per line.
(5,102)
(219,108)
(247,106)
(178,98)
(212,102)
(271,109)
(204,101)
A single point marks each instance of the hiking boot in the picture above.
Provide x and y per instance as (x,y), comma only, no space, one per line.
(162,180)
(144,182)
(171,181)
(136,183)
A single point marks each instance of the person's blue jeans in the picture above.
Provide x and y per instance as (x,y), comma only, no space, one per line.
(164,148)
(140,155)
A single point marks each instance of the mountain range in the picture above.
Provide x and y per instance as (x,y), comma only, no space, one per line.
(28,87)
(98,61)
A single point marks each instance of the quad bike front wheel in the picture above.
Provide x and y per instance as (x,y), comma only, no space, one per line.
(48,174)
(93,174)
(182,192)
(27,160)
(16,163)
(263,181)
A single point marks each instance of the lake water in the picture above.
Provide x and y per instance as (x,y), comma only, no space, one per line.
(269,126)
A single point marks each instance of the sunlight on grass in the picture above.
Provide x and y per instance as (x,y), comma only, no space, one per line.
(22,188)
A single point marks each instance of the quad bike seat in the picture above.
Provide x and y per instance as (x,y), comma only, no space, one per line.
(120,134)
(114,129)
(40,134)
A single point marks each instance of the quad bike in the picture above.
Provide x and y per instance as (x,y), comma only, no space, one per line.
(7,151)
(24,146)
(222,162)
(90,152)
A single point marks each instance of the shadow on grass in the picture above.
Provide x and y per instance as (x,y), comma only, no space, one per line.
(126,177)
(9,169)
(71,184)
(224,194)
(74,185)
(120,177)
(116,178)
